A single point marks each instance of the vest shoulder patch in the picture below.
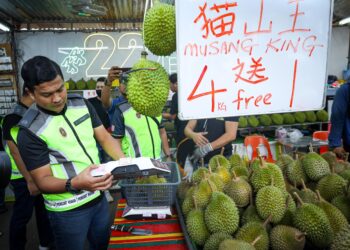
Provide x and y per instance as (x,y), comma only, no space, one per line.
(28,118)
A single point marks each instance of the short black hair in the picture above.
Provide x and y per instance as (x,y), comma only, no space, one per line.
(101,79)
(173,78)
(39,69)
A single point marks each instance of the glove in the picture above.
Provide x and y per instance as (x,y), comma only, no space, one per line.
(188,170)
(200,152)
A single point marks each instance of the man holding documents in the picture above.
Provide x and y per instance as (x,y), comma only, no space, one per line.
(57,142)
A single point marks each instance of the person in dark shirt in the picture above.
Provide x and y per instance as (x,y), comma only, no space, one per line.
(210,136)
(179,124)
(57,142)
(339,137)
(26,192)
(96,102)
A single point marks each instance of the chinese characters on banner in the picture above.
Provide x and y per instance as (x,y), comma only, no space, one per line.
(251,57)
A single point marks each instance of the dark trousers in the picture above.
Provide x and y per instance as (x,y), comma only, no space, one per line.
(22,212)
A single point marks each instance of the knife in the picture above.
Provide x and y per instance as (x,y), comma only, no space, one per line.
(132,230)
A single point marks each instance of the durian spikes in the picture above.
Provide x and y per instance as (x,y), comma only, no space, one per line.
(298,198)
(256,240)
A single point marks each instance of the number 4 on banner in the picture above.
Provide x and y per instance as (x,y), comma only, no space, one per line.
(193,96)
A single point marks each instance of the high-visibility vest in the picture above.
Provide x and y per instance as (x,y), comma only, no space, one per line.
(141,133)
(72,147)
(19,110)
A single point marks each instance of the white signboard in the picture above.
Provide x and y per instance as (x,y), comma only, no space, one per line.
(240,57)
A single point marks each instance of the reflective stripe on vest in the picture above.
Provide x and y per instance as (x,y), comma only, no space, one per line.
(141,136)
(72,148)
(17,110)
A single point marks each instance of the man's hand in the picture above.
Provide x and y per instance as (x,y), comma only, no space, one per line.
(32,188)
(85,181)
(113,73)
(200,152)
(188,170)
(200,139)
(340,152)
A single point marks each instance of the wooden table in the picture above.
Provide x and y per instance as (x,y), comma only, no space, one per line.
(167,233)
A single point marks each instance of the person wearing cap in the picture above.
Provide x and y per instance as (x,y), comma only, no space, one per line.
(27,194)
(57,142)
(138,134)
(108,102)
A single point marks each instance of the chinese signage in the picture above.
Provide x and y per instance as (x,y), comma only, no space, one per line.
(251,57)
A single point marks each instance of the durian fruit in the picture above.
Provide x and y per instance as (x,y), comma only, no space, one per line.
(262,176)
(300,117)
(224,173)
(196,225)
(322,115)
(221,214)
(91,84)
(310,116)
(235,159)
(250,231)
(250,214)
(242,122)
(218,160)
(202,193)
(188,204)
(216,180)
(341,240)
(159,28)
(290,209)
(239,190)
(312,220)
(148,90)
(238,245)
(253,121)
(345,174)
(343,204)
(283,161)
(81,84)
(265,120)
(271,202)
(71,84)
(295,173)
(307,195)
(286,238)
(277,119)
(241,171)
(182,189)
(199,174)
(215,239)
(334,215)
(330,157)
(331,186)
(288,118)
(315,166)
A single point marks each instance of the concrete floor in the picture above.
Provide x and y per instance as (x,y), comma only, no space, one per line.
(32,236)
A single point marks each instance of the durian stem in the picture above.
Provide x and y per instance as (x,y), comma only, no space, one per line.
(303,184)
(310,148)
(319,197)
(202,162)
(234,175)
(267,221)
(300,236)
(272,181)
(209,169)
(256,240)
(279,150)
(194,201)
(287,201)
(235,149)
(217,162)
(213,188)
(298,198)
(144,54)
(222,150)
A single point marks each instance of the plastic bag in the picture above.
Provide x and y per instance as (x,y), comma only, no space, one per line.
(294,135)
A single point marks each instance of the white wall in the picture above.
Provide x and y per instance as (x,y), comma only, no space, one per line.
(338,53)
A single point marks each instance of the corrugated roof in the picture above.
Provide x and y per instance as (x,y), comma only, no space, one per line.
(121,15)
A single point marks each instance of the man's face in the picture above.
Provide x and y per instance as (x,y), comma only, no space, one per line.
(173,87)
(51,95)
(100,85)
